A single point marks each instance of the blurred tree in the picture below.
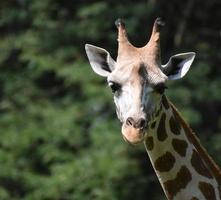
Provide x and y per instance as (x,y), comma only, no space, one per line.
(59,135)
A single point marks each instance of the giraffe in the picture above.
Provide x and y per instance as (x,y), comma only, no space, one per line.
(138,81)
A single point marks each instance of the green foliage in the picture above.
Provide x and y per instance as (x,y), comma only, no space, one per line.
(59,138)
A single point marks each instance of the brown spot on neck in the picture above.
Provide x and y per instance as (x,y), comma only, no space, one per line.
(180,146)
(165,162)
(149,143)
(182,179)
(152,126)
(207,190)
(174,126)
(161,130)
(199,165)
(158,111)
(165,102)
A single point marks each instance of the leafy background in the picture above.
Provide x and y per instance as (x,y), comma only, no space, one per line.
(59,136)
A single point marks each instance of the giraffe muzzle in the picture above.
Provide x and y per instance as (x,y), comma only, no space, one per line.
(133,131)
(139,124)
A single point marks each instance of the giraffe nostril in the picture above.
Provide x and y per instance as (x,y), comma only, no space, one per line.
(141,123)
(130,121)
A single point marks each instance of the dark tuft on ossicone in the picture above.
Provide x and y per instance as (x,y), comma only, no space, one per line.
(160,22)
(119,22)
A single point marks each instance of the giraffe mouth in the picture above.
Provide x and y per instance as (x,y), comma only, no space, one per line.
(133,135)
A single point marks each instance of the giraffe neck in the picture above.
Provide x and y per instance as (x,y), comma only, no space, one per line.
(183,167)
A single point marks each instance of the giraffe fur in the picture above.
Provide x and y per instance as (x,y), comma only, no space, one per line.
(181,177)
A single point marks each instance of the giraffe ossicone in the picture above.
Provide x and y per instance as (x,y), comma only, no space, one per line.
(138,80)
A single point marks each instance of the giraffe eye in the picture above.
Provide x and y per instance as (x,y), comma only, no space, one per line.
(114,87)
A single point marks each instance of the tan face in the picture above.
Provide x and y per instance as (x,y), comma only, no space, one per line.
(137,79)
(136,99)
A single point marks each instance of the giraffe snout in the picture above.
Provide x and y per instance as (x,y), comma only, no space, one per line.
(138,124)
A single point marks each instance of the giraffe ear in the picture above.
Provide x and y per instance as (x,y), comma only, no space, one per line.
(178,65)
(100,60)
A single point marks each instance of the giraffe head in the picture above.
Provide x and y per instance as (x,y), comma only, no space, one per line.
(137,78)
